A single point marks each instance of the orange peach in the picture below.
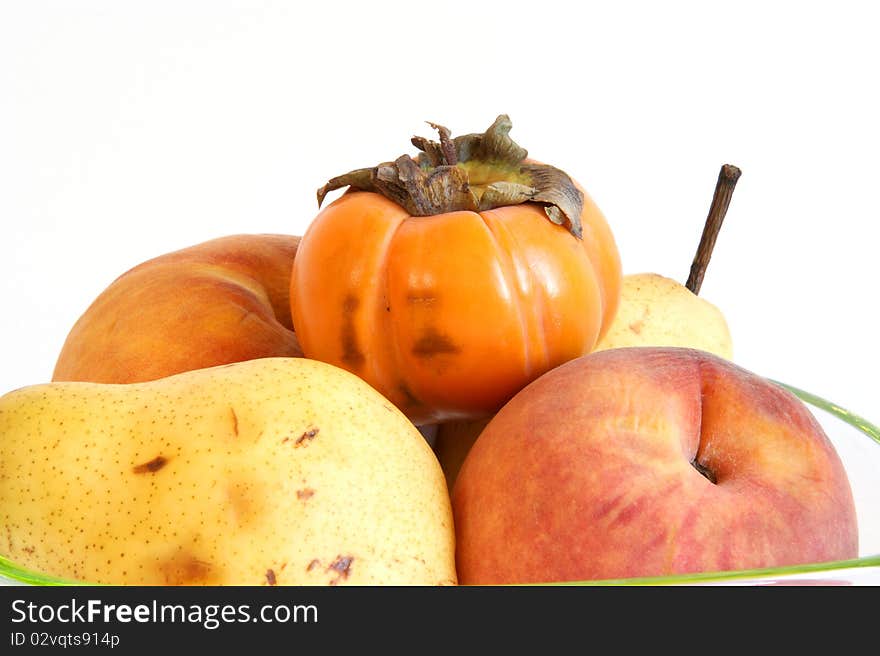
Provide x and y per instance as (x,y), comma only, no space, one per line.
(218,302)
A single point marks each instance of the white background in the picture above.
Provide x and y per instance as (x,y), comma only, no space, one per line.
(129,129)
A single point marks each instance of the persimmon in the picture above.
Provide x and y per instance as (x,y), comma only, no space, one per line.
(451,280)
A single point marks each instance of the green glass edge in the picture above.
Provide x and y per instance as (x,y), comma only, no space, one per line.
(710,577)
(862,424)
(12,571)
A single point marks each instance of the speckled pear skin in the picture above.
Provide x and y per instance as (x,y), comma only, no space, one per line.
(658,311)
(276,471)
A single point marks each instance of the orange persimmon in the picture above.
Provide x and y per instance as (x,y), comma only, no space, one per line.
(450,281)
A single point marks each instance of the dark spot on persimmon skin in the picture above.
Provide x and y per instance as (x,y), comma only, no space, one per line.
(422,298)
(410,399)
(305,493)
(152,466)
(351,350)
(350,303)
(270,577)
(306,437)
(312,565)
(432,343)
(342,566)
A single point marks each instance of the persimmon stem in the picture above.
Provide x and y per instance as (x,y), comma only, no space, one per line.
(447,147)
(473,172)
(727,179)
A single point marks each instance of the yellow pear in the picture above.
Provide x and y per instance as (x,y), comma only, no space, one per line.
(657,311)
(275,471)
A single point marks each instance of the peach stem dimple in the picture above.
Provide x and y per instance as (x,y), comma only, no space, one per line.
(705,471)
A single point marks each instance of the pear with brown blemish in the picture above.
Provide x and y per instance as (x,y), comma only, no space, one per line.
(659,311)
(656,310)
(275,471)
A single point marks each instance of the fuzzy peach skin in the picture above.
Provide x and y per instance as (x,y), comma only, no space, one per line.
(648,461)
(217,302)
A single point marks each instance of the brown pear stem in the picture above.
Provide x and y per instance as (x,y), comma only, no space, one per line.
(727,179)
